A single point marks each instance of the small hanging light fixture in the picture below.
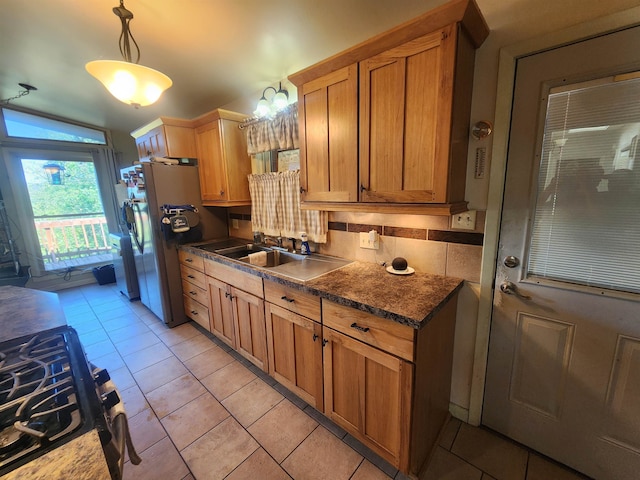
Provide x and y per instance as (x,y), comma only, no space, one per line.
(279,101)
(55,173)
(129,82)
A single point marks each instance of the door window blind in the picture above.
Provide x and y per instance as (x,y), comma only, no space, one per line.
(586,224)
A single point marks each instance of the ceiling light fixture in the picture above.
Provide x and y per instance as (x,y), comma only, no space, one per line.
(279,101)
(127,81)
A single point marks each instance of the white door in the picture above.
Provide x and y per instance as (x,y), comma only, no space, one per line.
(563,373)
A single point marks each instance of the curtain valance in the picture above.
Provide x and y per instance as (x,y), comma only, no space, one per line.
(277,133)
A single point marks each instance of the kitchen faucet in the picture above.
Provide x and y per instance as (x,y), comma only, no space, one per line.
(272,241)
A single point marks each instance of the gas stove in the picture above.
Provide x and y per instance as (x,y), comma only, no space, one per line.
(49,395)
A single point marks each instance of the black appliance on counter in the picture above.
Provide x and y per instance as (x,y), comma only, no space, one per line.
(50,394)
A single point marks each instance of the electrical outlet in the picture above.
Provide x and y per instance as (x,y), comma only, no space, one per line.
(370,240)
(464,221)
(234,223)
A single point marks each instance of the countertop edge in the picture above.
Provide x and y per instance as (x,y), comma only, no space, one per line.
(308,287)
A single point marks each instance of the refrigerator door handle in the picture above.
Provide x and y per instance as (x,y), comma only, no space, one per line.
(137,234)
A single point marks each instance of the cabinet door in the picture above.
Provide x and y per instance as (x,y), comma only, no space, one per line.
(211,166)
(221,311)
(328,118)
(180,141)
(368,392)
(152,144)
(237,161)
(405,121)
(249,323)
(294,344)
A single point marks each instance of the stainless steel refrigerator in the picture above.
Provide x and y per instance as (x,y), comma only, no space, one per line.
(151,185)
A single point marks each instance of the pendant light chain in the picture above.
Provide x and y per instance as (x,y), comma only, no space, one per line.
(125,46)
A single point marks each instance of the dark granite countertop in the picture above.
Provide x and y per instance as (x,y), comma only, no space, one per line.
(24,311)
(408,299)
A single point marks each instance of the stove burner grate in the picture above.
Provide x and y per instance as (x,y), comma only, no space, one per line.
(38,396)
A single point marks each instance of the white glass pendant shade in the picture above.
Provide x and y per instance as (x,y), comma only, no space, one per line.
(129,82)
(263,108)
(280,100)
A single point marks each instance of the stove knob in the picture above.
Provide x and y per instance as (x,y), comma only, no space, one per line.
(101,376)
(110,399)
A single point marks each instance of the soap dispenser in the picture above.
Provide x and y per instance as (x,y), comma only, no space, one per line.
(304,248)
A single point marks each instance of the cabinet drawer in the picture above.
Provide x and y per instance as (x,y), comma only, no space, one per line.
(191,290)
(193,276)
(196,312)
(191,260)
(378,332)
(294,300)
(237,278)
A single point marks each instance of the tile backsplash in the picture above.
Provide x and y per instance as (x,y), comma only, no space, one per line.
(427,242)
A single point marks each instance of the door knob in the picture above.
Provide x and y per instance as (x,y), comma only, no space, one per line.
(510,289)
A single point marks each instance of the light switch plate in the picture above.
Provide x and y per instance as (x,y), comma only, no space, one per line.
(464,221)
(234,223)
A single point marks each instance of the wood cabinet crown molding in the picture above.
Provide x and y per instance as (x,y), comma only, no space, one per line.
(464,12)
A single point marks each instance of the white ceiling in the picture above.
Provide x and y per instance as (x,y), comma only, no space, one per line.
(216,51)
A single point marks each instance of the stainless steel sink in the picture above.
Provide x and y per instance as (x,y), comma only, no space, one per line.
(306,267)
(274,257)
(289,264)
(241,251)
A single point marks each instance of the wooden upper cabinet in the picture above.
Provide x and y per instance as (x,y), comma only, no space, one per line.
(222,159)
(412,100)
(165,137)
(405,120)
(328,113)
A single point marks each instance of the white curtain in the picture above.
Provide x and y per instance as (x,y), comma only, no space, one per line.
(275,207)
(278,133)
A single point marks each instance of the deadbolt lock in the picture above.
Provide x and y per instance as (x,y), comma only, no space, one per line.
(511,262)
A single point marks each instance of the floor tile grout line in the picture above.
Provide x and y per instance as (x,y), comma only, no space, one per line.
(230,414)
(90,302)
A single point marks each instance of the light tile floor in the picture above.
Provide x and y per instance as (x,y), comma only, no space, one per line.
(199,411)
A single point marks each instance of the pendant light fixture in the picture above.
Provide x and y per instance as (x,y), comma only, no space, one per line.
(126,80)
(279,101)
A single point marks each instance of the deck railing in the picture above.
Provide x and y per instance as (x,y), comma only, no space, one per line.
(72,239)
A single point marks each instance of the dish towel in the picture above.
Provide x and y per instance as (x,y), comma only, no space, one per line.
(259,259)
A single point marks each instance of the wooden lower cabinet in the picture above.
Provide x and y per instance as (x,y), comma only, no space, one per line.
(295,353)
(368,392)
(221,311)
(251,338)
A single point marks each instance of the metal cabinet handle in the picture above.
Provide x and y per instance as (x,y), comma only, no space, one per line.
(363,188)
(193,312)
(315,337)
(188,260)
(190,276)
(193,293)
(510,288)
(221,193)
(358,327)
(324,342)
(290,300)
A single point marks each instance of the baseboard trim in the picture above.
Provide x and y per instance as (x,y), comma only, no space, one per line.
(459,412)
